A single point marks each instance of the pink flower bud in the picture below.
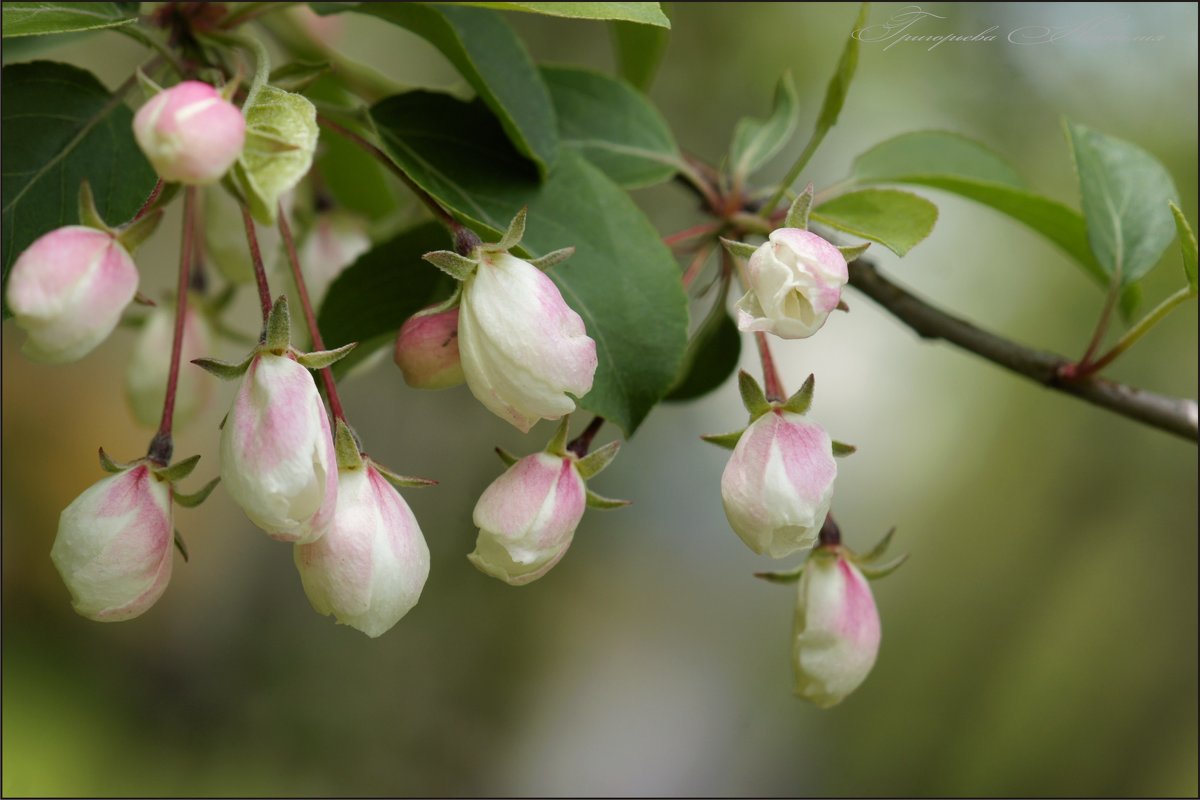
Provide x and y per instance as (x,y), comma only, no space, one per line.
(67,291)
(336,241)
(190,133)
(114,543)
(836,630)
(527,518)
(524,350)
(796,279)
(277,457)
(146,379)
(778,484)
(427,350)
(370,566)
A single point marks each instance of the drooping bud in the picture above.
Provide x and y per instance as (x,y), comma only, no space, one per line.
(277,457)
(146,379)
(67,291)
(527,518)
(190,133)
(369,568)
(114,545)
(427,350)
(335,242)
(795,281)
(836,628)
(778,484)
(524,351)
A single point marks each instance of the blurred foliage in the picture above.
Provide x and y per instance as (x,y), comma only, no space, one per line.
(1041,640)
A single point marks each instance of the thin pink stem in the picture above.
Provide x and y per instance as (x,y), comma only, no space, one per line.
(260,272)
(771,383)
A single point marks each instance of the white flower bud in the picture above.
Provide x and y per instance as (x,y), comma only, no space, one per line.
(190,133)
(146,378)
(796,279)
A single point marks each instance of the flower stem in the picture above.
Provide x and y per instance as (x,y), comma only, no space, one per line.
(162,446)
(580,444)
(1141,328)
(1084,367)
(772,386)
(335,402)
(691,233)
(260,272)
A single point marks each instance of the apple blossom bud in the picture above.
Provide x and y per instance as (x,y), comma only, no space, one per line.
(114,545)
(778,484)
(277,457)
(836,629)
(795,280)
(527,518)
(190,133)
(369,568)
(146,379)
(427,350)
(524,350)
(335,242)
(67,291)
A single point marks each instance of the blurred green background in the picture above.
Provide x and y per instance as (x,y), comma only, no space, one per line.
(1042,639)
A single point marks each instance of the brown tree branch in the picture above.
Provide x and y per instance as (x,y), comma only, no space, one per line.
(1172,414)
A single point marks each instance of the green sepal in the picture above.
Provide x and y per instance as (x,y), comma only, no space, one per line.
(272,143)
(797,215)
(738,249)
(552,258)
(345,445)
(149,87)
(594,463)
(752,395)
(279,327)
(1187,246)
(181,545)
(402,481)
(852,251)
(223,369)
(89,215)
(557,446)
(786,576)
(108,465)
(179,470)
(135,233)
(878,551)
(875,573)
(726,440)
(508,458)
(451,263)
(801,401)
(196,498)
(320,359)
(841,449)
(605,503)
(513,236)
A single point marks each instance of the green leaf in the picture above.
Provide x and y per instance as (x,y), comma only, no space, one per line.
(37,19)
(1124,190)
(756,141)
(613,126)
(281,138)
(839,84)
(641,13)
(897,220)
(712,356)
(622,280)
(384,287)
(1187,246)
(62,127)
(639,50)
(488,54)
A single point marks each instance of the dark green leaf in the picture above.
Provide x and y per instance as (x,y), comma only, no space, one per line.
(622,280)
(613,126)
(639,50)
(712,356)
(897,220)
(36,19)
(641,13)
(488,54)
(1125,191)
(61,127)
(756,141)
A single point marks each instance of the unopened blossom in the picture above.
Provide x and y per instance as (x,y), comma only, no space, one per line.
(146,378)
(525,353)
(190,133)
(427,350)
(369,568)
(114,545)
(68,289)
(277,457)
(836,629)
(527,518)
(795,280)
(778,484)
(335,242)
